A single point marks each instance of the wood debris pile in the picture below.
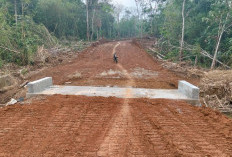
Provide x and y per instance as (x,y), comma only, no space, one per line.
(99,42)
(216,90)
(59,53)
(183,69)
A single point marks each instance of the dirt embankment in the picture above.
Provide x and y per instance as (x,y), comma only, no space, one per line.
(215,86)
(43,59)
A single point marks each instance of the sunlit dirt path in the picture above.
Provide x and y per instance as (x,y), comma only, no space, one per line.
(97,126)
(119,138)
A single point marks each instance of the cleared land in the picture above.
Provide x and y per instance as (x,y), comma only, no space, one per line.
(98,126)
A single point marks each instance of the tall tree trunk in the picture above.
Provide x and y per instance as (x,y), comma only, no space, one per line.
(94,10)
(196,60)
(22,5)
(87,19)
(216,50)
(97,33)
(110,32)
(182,37)
(140,27)
(221,31)
(16,14)
(118,31)
(151,25)
(101,34)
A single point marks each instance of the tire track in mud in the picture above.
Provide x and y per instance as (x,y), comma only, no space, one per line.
(166,130)
(162,133)
(120,139)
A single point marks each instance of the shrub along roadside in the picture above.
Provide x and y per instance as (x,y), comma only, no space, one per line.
(19,43)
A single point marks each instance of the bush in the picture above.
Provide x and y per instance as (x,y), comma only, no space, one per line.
(24,38)
(1,63)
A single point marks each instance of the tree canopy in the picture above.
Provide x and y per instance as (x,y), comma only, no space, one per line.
(185,29)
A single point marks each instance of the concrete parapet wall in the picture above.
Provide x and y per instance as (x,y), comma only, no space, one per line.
(39,85)
(188,89)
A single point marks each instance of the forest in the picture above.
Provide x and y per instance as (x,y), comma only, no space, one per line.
(185,30)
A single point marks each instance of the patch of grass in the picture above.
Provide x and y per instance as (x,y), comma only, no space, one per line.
(229,115)
(24,71)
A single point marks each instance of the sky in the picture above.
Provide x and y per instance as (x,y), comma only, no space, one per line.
(126,3)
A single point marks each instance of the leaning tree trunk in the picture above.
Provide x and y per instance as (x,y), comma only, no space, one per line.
(182,36)
(219,41)
(87,19)
(216,50)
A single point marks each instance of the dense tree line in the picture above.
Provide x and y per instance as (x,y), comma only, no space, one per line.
(196,30)
(27,24)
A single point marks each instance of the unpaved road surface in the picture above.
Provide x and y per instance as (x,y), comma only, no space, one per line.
(98,126)
(95,67)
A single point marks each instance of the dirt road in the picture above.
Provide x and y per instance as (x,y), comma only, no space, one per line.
(95,67)
(97,126)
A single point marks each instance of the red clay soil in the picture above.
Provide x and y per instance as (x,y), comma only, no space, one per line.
(97,126)
(96,60)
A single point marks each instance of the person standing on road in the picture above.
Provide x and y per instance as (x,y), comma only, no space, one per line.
(115,58)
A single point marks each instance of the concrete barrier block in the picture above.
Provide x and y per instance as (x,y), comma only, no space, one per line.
(188,89)
(39,85)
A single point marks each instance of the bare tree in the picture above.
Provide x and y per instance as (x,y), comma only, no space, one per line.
(224,24)
(139,16)
(219,37)
(118,10)
(93,17)
(152,13)
(87,19)
(183,27)
(16,14)
(24,5)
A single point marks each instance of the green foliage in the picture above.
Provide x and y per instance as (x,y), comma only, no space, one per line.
(204,19)
(18,43)
(128,27)
(172,25)
(42,22)
(24,71)
(1,63)
(63,18)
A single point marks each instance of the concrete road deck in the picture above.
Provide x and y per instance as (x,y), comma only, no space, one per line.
(114,92)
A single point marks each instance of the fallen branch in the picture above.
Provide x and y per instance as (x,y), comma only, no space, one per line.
(219,101)
(206,54)
(24,84)
(205,102)
(9,49)
(203,52)
(157,53)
